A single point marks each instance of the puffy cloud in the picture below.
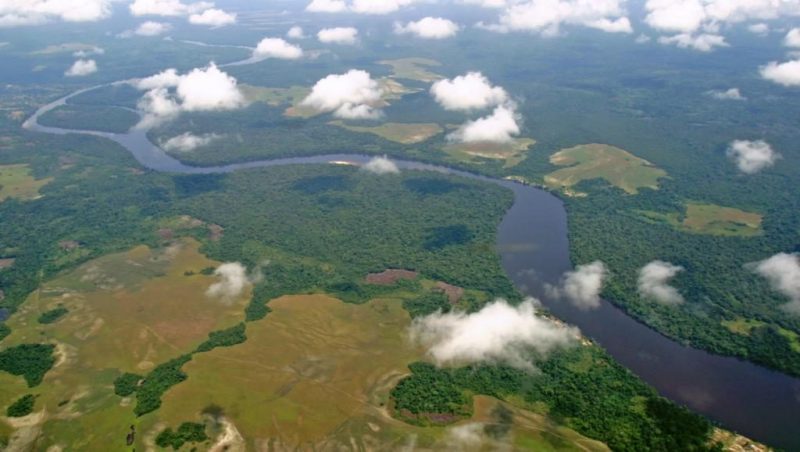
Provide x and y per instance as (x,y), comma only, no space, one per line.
(498,333)
(81,68)
(213,17)
(89,52)
(277,48)
(547,16)
(357,6)
(729,94)
(654,282)
(338,35)
(759,29)
(499,127)
(468,92)
(295,32)
(428,28)
(327,6)
(353,95)
(168,8)
(582,286)
(703,42)
(783,273)
(231,282)
(202,89)
(31,12)
(675,16)
(188,142)
(792,38)
(689,17)
(381,165)
(786,74)
(151,28)
(752,156)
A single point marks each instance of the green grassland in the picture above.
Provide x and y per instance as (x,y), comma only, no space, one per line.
(511,154)
(599,161)
(398,132)
(413,69)
(17,182)
(712,220)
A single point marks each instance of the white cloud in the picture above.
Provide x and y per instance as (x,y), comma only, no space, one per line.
(32,12)
(468,92)
(760,28)
(792,38)
(295,32)
(499,333)
(690,17)
(151,28)
(89,52)
(188,141)
(485,3)
(783,273)
(703,42)
(654,282)
(277,48)
(728,94)
(169,8)
(213,18)
(381,165)
(547,16)
(232,282)
(582,286)
(327,6)
(353,95)
(752,156)
(338,35)
(786,74)
(202,89)
(499,127)
(428,28)
(81,68)
(357,6)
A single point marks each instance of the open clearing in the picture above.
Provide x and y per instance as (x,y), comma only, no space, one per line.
(16,182)
(600,161)
(398,132)
(413,69)
(274,96)
(712,219)
(512,153)
(127,312)
(316,374)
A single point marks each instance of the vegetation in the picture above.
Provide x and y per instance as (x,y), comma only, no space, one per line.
(22,407)
(126,384)
(619,410)
(31,361)
(53,315)
(404,133)
(188,432)
(599,161)
(427,303)
(157,382)
(224,338)
(90,117)
(511,153)
(413,68)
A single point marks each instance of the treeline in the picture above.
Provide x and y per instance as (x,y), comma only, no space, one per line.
(31,361)
(582,388)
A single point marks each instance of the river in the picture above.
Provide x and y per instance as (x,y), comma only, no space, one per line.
(532,241)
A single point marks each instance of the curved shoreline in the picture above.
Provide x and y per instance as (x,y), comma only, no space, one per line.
(532,241)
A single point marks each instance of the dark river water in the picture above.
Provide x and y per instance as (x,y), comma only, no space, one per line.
(532,241)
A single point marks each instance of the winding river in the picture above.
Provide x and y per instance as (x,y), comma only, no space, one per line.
(532,241)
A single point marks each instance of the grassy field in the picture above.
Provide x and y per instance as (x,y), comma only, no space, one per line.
(274,96)
(127,312)
(744,327)
(512,153)
(600,161)
(397,132)
(413,69)
(16,182)
(712,219)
